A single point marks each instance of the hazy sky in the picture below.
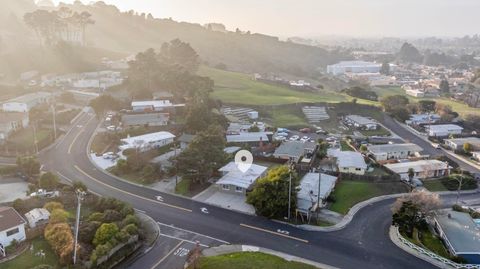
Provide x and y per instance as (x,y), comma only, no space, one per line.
(322,17)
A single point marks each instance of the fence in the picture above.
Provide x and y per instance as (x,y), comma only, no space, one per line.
(433,255)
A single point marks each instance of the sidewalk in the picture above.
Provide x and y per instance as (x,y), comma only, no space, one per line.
(227,249)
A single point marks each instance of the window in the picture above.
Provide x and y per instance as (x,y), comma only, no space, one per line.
(358,169)
(226,187)
(12,232)
(238,189)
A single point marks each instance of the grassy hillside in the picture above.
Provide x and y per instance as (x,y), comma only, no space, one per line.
(238,88)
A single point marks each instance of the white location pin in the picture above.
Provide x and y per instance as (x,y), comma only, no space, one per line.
(243,160)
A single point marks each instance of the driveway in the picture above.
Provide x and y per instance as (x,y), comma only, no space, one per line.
(212,195)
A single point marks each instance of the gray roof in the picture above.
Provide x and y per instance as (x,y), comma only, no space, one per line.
(307,196)
(360,119)
(142,119)
(248,137)
(9,218)
(474,141)
(349,159)
(461,231)
(28,98)
(294,148)
(394,148)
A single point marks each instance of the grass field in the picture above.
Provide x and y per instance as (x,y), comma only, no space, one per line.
(249,260)
(29,260)
(434,185)
(349,193)
(239,88)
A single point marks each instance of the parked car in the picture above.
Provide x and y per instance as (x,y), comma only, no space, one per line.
(109,156)
(294,138)
(305,130)
(280,138)
(282,134)
(45,194)
(283,130)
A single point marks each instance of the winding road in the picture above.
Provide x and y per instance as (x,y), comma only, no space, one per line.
(363,243)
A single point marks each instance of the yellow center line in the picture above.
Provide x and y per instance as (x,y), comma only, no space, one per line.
(129,193)
(272,232)
(166,256)
(73,142)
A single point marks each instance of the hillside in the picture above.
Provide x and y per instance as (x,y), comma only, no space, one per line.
(130,33)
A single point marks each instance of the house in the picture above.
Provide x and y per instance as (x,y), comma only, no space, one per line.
(295,150)
(307,197)
(145,119)
(236,181)
(185,140)
(361,122)
(155,105)
(37,217)
(457,143)
(83,97)
(147,141)
(476,155)
(355,67)
(460,234)
(350,162)
(393,151)
(443,130)
(249,138)
(12,227)
(11,122)
(423,169)
(26,102)
(422,119)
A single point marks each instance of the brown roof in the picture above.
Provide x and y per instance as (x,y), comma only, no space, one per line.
(9,218)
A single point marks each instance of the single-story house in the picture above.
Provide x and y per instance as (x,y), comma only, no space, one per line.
(350,162)
(185,140)
(249,138)
(421,119)
(147,141)
(26,102)
(11,122)
(150,119)
(424,169)
(457,143)
(236,181)
(443,130)
(460,234)
(37,216)
(307,196)
(295,150)
(361,122)
(393,151)
(12,227)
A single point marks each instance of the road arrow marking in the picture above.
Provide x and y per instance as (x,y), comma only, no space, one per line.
(204,210)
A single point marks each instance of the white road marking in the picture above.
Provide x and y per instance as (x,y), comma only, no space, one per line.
(272,232)
(204,210)
(184,240)
(283,232)
(159,198)
(181,252)
(166,256)
(172,226)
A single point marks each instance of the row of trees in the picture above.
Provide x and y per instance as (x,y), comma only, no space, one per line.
(56,25)
(400,107)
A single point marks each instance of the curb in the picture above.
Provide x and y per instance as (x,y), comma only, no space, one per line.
(227,249)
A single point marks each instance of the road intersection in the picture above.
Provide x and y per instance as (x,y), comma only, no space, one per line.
(363,243)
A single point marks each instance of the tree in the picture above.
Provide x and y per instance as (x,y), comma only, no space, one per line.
(444,86)
(60,238)
(427,105)
(58,216)
(48,181)
(29,166)
(424,201)
(409,53)
(270,193)
(385,69)
(78,185)
(445,111)
(177,52)
(392,102)
(411,174)
(204,155)
(104,103)
(467,148)
(363,148)
(50,206)
(400,113)
(407,218)
(105,233)
(473,122)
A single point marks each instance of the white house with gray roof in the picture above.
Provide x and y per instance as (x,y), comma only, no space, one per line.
(294,150)
(349,162)
(423,169)
(236,181)
(457,143)
(361,122)
(393,151)
(149,119)
(443,130)
(26,102)
(307,197)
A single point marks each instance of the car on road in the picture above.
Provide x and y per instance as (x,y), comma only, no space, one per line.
(437,146)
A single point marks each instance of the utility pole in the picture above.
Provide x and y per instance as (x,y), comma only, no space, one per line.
(54,122)
(80,195)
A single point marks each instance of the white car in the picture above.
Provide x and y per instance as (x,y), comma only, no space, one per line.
(294,138)
(282,134)
(109,156)
(280,138)
(111,128)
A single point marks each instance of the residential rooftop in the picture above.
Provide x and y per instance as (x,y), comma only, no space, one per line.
(417,166)
(394,148)
(233,176)
(348,158)
(444,127)
(9,218)
(460,230)
(30,97)
(360,119)
(307,196)
(248,137)
(294,148)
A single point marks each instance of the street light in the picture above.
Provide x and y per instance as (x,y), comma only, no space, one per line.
(80,194)
(290,169)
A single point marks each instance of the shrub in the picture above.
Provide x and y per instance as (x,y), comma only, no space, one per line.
(48,181)
(451,182)
(50,206)
(111,216)
(129,219)
(60,238)
(122,236)
(131,229)
(105,233)
(87,231)
(58,216)
(19,205)
(96,216)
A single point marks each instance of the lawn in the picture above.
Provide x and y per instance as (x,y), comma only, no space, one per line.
(379,132)
(29,260)
(348,193)
(434,185)
(183,187)
(239,88)
(249,260)
(434,244)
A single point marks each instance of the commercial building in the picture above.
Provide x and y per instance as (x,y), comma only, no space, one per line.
(444,130)
(236,181)
(155,105)
(355,67)
(26,102)
(457,143)
(295,150)
(148,141)
(361,122)
(145,119)
(460,234)
(11,122)
(393,151)
(308,199)
(349,162)
(423,169)
(12,227)
(37,217)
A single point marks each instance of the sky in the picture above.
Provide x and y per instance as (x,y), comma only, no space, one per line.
(314,18)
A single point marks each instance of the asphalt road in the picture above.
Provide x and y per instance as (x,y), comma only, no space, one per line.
(364,243)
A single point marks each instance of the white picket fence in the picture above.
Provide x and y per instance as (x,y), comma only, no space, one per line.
(435,256)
